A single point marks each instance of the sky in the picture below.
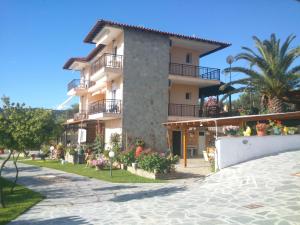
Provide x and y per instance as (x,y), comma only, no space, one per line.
(38,36)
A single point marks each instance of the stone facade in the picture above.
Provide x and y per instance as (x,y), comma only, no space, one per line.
(145,87)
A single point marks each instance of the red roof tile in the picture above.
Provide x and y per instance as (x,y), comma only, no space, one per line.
(101,23)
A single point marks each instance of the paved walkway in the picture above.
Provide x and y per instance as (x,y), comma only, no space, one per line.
(262,191)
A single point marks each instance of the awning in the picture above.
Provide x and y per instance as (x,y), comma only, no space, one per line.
(214,90)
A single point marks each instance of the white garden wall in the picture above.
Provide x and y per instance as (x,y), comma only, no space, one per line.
(233,150)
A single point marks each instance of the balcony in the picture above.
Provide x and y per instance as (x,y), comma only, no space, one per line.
(186,70)
(184,110)
(78,86)
(72,116)
(105,106)
(107,61)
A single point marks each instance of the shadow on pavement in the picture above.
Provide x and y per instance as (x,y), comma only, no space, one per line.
(113,188)
(70,220)
(148,194)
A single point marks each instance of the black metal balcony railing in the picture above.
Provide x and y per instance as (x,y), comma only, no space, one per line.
(107,60)
(105,106)
(194,71)
(78,83)
(184,110)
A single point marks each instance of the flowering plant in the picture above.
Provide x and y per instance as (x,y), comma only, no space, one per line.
(292,130)
(275,123)
(261,126)
(231,130)
(276,126)
(99,163)
(247,132)
(211,101)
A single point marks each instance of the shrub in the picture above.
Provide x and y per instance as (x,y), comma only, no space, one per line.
(156,162)
(71,150)
(60,151)
(45,149)
(127,157)
(98,145)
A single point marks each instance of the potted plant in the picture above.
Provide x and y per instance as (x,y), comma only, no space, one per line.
(140,144)
(261,129)
(71,154)
(276,127)
(292,130)
(247,132)
(99,163)
(231,130)
(33,156)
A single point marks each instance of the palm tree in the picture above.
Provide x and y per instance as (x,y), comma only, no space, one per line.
(270,73)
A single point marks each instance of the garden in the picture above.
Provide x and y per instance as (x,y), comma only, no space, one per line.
(107,163)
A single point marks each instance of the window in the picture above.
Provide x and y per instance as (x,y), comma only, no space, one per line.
(188,96)
(188,58)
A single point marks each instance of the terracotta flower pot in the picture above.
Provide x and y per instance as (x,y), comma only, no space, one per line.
(261,133)
(138,151)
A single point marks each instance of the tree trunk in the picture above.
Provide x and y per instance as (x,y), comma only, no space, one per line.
(275,105)
(2,204)
(15,160)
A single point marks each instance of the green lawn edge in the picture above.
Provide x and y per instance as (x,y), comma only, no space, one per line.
(118,175)
(21,200)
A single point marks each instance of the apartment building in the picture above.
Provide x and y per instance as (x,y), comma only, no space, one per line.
(137,78)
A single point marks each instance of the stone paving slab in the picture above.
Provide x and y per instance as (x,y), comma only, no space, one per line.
(262,191)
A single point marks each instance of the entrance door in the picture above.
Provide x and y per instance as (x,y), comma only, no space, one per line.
(201,143)
(176,137)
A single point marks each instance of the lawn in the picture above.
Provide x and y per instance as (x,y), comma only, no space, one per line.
(18,202)
(118,176)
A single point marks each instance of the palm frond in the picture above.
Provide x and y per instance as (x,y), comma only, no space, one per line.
(286,45)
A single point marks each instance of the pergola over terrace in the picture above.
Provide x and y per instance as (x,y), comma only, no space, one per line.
(184,126)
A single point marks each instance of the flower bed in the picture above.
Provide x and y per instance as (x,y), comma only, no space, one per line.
(147,163)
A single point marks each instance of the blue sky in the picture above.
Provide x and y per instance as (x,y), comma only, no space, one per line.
(38,36)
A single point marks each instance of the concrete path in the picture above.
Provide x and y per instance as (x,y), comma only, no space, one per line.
(262,191)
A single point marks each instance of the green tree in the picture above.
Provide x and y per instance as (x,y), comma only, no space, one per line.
(248,103)
(23,128)
(98,145)
(270,73)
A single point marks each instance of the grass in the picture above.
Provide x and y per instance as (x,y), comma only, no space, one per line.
(118,176)
(17,202)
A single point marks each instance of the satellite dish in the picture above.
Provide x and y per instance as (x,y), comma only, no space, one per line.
(230,59)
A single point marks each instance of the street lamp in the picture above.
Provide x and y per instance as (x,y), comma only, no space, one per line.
(111,155)
(230,60)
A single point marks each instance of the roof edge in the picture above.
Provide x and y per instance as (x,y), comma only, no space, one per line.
(101,23)
(90,56)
